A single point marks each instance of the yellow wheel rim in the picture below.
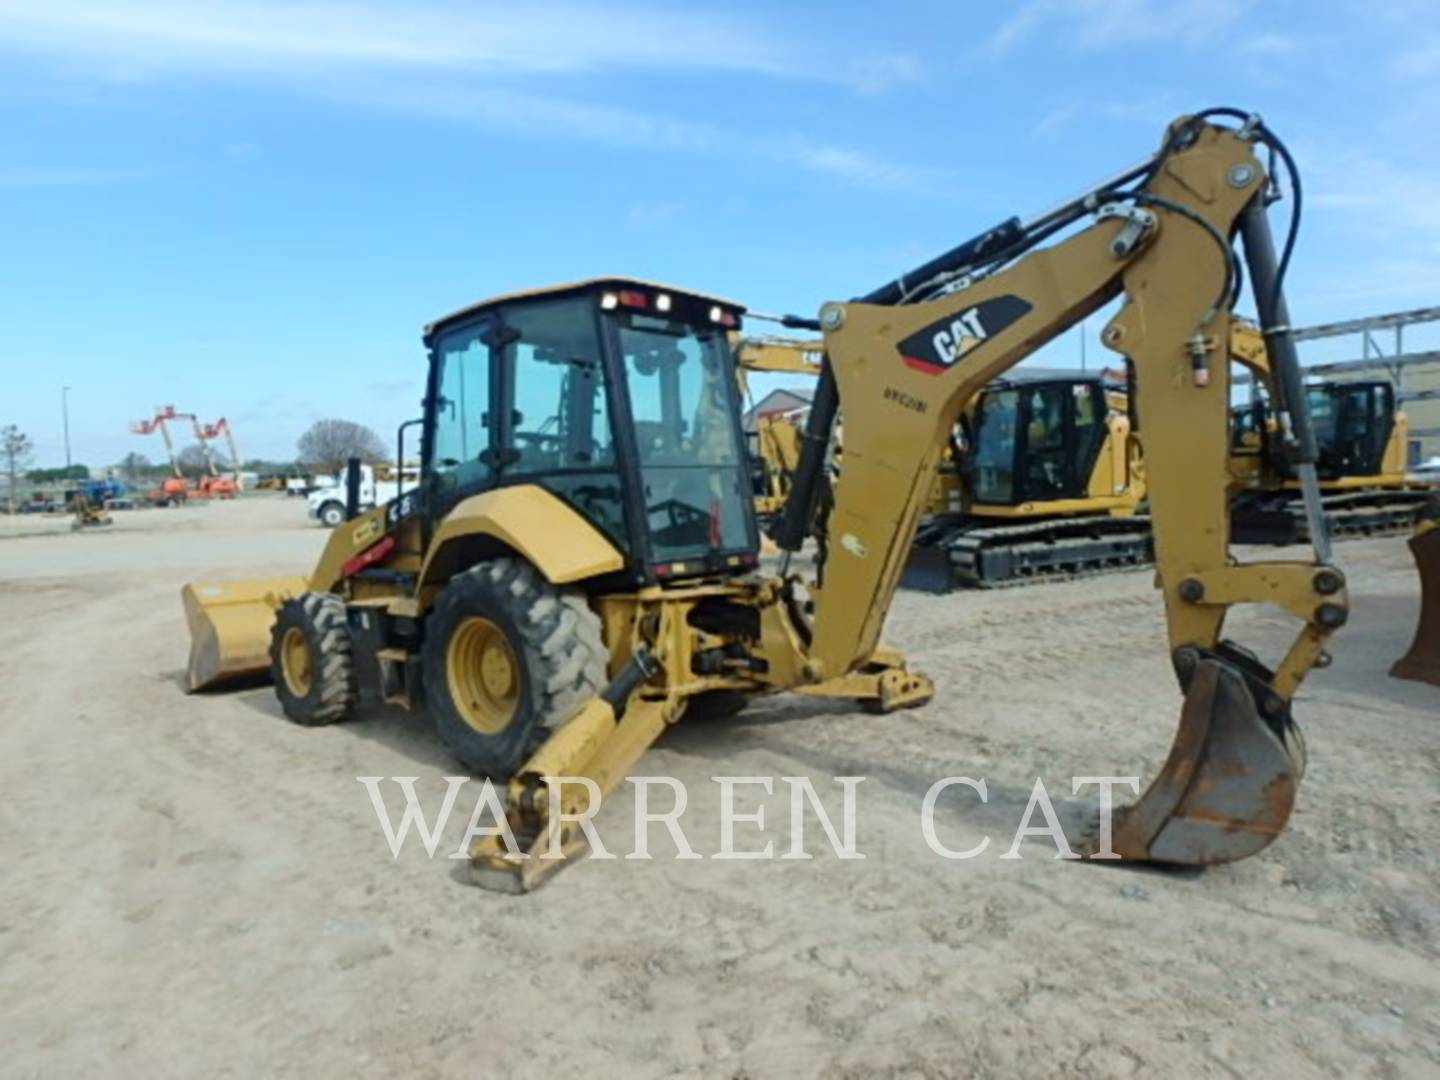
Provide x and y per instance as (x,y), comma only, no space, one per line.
(483,674)
(296,663)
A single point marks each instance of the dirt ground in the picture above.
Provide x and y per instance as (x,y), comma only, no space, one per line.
(194,885)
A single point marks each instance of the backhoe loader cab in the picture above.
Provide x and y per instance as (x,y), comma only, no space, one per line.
(617,397)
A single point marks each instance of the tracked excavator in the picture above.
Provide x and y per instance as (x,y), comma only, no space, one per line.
(1048,482)
(1044,479)
(578,569)
(1360,437)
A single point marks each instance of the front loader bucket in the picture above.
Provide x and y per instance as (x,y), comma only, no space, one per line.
(1229,785)
(230,626)
(1422,662)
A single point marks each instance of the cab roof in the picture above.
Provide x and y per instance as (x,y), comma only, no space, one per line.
(575,288)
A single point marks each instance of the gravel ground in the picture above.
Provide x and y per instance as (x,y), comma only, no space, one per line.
(196,886)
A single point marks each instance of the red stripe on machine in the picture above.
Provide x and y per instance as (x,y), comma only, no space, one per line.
(368,557)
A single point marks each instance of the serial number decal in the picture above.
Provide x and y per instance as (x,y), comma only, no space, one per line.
(939,345)
(908,401)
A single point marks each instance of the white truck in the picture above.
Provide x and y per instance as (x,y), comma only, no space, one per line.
(326,504)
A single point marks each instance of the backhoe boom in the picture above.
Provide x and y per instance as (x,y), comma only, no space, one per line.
(902,372)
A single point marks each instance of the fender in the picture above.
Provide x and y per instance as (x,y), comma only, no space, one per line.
(537,525)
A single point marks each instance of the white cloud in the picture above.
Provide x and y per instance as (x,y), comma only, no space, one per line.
(1420,62)
(147,38)
(1399,201)
(488,38)
(1269,45)
(502,109)
(1382,218)
(884,72)
(653,213)
(475,64)
(1108,24)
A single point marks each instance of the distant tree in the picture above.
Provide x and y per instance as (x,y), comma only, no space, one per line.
(192,461)
(134,466)
(61,474)
(16,449)
(330,443)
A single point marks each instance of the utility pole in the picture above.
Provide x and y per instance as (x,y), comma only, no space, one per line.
(65,419)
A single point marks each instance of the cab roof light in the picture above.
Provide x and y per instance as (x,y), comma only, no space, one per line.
(662,302)
(632,298)
(609,301)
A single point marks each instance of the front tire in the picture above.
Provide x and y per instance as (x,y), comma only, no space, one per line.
(311,659)
(508,657)
(331,515)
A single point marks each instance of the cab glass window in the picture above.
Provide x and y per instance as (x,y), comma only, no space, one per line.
(681,383)
(461,433)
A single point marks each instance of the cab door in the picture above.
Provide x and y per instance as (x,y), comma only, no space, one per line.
(460,442)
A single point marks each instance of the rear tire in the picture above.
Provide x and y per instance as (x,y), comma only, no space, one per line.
(508,657)
(311,659)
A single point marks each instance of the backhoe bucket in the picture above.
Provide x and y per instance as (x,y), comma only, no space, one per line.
(1229,784)
(230,626)
(1422,662)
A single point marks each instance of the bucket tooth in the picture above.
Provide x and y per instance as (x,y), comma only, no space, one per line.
(1228,786)
(1422,662)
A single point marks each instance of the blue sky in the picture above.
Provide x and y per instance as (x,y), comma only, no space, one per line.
(250,209)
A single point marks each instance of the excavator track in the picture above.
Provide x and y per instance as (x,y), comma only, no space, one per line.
(1351,514)
(985,556)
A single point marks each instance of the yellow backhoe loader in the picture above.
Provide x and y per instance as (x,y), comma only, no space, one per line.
(578,568)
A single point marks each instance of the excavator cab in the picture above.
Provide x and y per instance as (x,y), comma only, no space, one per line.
(1353,422)
(1360,437)
(1036,441)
